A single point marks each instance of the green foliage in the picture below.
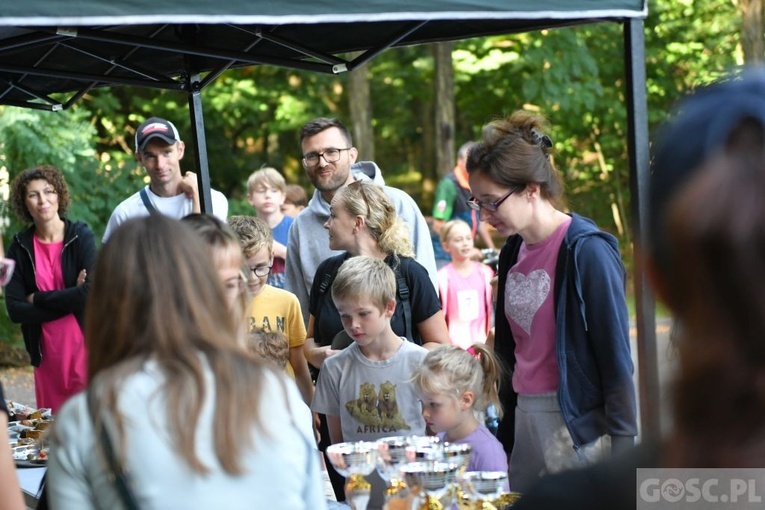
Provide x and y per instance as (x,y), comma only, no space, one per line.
(574,76)
(31,138)
(9,332)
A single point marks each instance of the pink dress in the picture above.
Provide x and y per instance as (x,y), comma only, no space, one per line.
(63,370)
(467,303)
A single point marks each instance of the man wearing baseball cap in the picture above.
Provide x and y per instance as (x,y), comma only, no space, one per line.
(159,149)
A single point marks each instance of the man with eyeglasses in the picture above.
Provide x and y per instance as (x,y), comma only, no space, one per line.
(329,159)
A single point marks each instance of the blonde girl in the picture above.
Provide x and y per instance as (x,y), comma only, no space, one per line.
(464,288)
(455,387)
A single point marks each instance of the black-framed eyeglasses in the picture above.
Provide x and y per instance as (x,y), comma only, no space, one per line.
(260,271)
(476,205)
(330,156)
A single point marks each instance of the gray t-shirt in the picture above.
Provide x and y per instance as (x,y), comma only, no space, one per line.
(374,399)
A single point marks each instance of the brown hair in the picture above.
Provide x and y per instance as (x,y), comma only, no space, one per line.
(714,274)
(220,239)
(515,152)
(253,233)
(319,124)
(295,195)
(156,296)
(18,191)
(270,346)
(451,371)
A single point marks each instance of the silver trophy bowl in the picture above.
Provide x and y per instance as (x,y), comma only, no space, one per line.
(430,481)
(484,485)
(354,461)
(424,449)
(458,453)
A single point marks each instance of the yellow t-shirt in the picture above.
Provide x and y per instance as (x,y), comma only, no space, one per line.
(278,310)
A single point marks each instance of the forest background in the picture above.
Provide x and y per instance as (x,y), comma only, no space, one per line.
(410,108)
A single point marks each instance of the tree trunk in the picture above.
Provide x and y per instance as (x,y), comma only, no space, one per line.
(361,113)
(444,107)
(752,31)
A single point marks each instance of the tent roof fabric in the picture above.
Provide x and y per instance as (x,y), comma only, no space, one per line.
(49,47)
(98,12)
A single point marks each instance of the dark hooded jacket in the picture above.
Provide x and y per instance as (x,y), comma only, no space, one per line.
(596,392)
(79,253)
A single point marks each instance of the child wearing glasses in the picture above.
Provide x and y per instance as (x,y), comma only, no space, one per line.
(561,324)
(271,309)
(464,287)
(266,192)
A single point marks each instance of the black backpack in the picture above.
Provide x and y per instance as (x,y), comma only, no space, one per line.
(402,290)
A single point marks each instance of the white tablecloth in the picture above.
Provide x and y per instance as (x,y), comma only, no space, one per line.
(29,480)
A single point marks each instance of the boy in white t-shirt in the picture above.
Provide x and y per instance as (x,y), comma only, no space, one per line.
(366,390)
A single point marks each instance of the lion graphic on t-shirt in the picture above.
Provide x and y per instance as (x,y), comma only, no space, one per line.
(364,408)
(388,407)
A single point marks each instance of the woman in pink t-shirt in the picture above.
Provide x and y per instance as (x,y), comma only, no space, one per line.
(561,325)
(48,290)
(464,287)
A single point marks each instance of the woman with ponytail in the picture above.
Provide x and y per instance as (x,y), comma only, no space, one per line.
(561,321)
(363,221)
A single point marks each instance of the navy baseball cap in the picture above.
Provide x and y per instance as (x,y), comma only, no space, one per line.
(155,127)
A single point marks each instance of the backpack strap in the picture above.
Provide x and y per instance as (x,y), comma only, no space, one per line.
(330,271)
(147,202)
(403,295)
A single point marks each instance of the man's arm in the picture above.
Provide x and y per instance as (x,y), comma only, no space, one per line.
(294,280)
(190,187)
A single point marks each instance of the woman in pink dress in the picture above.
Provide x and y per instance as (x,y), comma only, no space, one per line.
(48,290)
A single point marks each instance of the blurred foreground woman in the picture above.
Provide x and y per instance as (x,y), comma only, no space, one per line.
(194,420)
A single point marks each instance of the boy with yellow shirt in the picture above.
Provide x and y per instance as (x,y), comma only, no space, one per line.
(272,309)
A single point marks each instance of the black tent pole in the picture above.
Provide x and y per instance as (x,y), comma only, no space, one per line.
(637,114)
(200,142)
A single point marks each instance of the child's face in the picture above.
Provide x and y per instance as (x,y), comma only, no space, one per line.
(257,262)
(289,209)
(441,412)
(459,243)
(364,321)
(266,199)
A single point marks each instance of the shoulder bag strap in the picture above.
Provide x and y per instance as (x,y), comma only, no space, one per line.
(147,202)
(116,471)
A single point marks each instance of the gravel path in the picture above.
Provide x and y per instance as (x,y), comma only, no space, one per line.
(19,385)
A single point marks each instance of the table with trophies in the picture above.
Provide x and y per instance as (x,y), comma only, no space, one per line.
(422,473)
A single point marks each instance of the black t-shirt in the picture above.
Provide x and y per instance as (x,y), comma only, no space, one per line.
(423,300)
